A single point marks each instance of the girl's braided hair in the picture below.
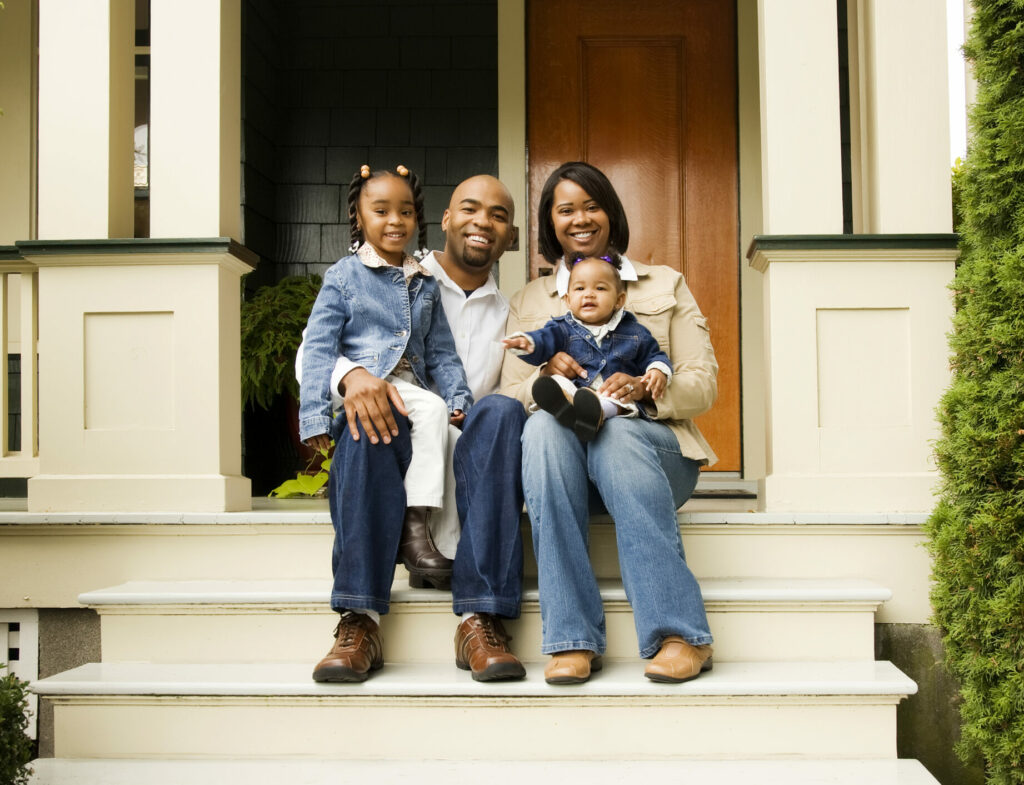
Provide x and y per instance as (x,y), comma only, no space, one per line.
(355,187)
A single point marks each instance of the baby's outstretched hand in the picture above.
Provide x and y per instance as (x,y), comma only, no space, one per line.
(458,417)
(520,342)
(655,382)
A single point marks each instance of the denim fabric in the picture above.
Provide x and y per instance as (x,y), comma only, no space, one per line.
(642,479)
(369,316)
(488,572)
(367,501)
(629,348)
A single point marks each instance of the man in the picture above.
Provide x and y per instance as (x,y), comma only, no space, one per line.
(486,576)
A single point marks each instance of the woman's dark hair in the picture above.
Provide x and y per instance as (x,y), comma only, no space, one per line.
(355,187)
(599,188)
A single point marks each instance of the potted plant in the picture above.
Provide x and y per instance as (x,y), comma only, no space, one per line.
(272,320)
(272,323)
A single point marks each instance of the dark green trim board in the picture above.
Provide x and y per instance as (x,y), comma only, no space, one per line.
(846,242)
(10,253)
(141,245)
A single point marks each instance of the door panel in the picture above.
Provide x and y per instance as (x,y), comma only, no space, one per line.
(647,92)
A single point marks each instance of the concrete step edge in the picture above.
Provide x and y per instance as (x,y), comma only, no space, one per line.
(58,771)
(873,679)
(823,591)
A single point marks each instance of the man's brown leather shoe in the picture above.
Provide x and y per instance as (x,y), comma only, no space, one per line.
(427,566)
(678,661)
(356,650)
(481,646)
(572,667)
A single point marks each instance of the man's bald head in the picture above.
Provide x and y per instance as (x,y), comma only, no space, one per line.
(478,224)
(484,185)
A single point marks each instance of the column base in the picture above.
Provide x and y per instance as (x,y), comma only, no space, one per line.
(139,493)
(849,493)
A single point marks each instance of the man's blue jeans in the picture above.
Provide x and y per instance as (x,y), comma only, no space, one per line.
(488,572)
(642,479)
(367,499)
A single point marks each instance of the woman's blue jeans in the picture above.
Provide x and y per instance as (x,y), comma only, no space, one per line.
(642,479)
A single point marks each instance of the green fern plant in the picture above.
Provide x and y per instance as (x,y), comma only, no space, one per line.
(272,321)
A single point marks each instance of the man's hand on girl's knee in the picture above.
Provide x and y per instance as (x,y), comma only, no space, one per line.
(368,401)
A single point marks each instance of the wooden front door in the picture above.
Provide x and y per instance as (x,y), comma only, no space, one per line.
(646,91)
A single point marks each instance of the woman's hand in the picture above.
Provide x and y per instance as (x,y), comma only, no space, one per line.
(625,388)
(564,365)
(368,400)
(458,417)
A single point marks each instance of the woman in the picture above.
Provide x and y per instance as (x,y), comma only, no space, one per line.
(640,470)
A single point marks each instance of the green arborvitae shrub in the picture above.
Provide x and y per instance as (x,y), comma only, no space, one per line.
(15,745)
(977,530)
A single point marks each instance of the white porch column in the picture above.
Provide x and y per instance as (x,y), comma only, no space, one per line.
(195,118)
(800,144)
(901,136)
(86,108)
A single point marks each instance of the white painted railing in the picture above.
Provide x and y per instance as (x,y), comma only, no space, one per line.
(19,333)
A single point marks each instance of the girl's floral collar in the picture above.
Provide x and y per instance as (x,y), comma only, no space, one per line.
(368,255)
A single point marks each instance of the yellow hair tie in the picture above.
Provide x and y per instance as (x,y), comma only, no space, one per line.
(402,170)
(364,171)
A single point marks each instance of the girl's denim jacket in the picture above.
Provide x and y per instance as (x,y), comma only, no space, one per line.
(370,317)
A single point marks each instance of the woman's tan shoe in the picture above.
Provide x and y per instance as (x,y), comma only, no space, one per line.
(678,661)
(572,667)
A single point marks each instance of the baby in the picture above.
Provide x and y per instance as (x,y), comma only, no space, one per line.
(605,340)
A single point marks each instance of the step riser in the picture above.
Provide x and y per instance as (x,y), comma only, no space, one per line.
(451,730)
(412,633)
(87,557)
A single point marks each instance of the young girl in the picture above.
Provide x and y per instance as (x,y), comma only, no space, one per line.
(380,311)
(603,338)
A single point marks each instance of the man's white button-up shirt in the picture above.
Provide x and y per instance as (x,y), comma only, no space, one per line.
(478,325)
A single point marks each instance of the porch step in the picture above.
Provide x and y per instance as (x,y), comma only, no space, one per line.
(434,711)
(280,621)
(57,771)
(292,539)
